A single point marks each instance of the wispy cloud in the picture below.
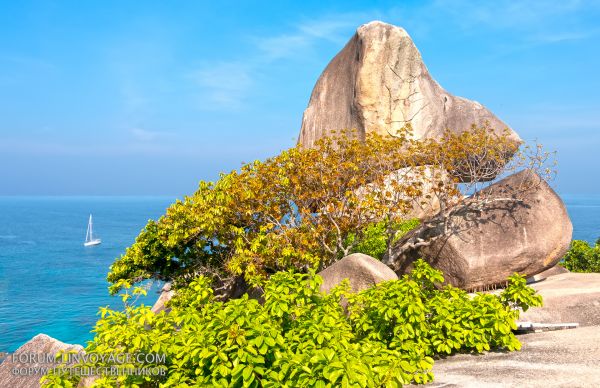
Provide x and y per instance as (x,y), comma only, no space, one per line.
(193,149)
(17,68)
(27,61)
(145,135)
(227,84)
(558,37)
(223,84)
(535,22)
(333,28)
(282,46)
(305,35)
(508,13)
(544,21)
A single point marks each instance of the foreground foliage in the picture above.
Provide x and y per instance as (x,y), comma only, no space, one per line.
(388,335)
(582,257)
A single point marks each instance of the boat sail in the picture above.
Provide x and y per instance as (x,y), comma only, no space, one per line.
(89,238)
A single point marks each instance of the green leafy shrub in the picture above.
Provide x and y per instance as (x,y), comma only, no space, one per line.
(299,337)
(378,237)
(582,257)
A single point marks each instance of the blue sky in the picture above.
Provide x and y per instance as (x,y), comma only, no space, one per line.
(148,98)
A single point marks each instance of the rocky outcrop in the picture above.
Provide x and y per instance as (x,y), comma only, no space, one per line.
(521,226)
(429,181)
(24,367)
(361,270)
(165,295)
(556,270)
(568,297)
(379,83)
(566,358)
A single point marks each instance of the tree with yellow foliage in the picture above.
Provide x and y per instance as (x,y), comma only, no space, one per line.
(308,207)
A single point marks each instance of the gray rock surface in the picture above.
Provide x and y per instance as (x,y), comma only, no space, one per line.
(568,297)
(361,270)
(379,83)
(522,227)
(165,295)
(15,373)
(566,358)
(556,270)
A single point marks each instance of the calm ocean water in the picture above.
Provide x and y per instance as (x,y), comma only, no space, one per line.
(50,283)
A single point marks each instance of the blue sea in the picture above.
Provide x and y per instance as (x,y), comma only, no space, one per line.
(50,283)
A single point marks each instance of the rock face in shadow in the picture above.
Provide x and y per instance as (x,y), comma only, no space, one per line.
(522,227)
(363,271)
(379,83)
(39,346)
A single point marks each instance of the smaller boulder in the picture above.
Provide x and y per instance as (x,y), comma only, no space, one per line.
(165,295)
(519,224)
(28,364)
(363,271)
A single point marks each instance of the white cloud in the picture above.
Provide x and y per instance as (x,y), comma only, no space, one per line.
(192,149)
(145,135)
(305,35)
(223,84)
(507,13)
(535,22)
(282,46)
(226,85)
(27,61)
(332,27)
(545,20)
(557,37)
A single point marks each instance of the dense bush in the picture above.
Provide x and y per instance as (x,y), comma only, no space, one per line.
(375,238)
(582,257)
(388,335)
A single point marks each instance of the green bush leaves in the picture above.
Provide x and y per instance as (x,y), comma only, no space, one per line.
(582,257)
(387,335)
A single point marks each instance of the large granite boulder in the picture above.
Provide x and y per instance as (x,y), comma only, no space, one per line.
(363,271)
(25,366)
(379,83)
(519,225)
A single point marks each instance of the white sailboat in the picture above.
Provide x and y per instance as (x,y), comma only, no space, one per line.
(89,238)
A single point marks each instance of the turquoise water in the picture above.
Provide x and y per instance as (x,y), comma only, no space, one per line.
(585,216)
(50,283)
